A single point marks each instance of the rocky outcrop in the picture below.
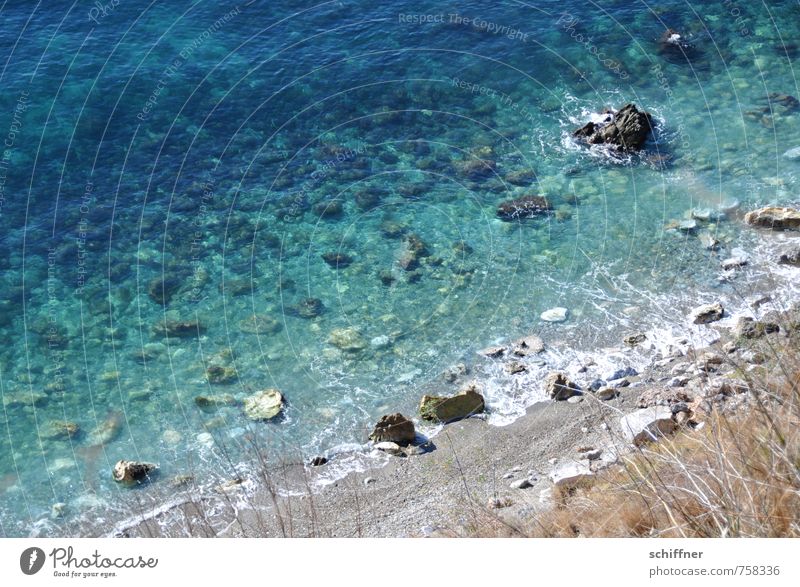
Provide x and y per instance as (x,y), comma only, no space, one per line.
(130,472)
(528,345)
(748,328)
(647,425)
(559,387)
(707,313)
(524,207)
(263,405)
(347,339)
(626,129)
(448,409)
(394,428)
(774,217)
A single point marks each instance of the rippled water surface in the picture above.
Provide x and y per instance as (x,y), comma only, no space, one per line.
(295,191)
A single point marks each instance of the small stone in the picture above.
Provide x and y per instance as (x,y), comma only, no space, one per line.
(575,399)
(130,472)
(369,480)
(464,404)
(529,345)
(521,484)
(555,315)
(337,260)
(707,313)
(380,342)
(515,367)
(57,510)
(318,461)
(493,352)
(508,476)
(391,448)
(774,217)
(733,263)
(606,393)
(793,153)
(634,339)
(221,375)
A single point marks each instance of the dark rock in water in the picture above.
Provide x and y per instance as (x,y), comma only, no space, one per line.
(785,101)
(60,430)
(477,169)
(337,260)
(414,249)
(448,409)
(260,324)
(515,367)
(524,207)
(221,375)
(521,177)
(529,345)
(386,277)
(162,290)
(634,339)
(130,472)
(237,287)
(210,402)
(179,328)
(707,313)
(559,387)
(676,47)
(790,256)
(309,308)
(774,217)
(748,328)
(318,461)
(627,129)
(368,199)
(394,428)
(413,191)
(392,229)
(328,209)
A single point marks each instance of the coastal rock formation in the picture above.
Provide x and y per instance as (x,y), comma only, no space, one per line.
(790,256)
(748,328)
(707,313)
(528,345)
(647,424)
(347,339)
(263,405)
(129,472)
(447,409)
(774,217)
(626,129)
(394,428)
(559,387)
(524,207)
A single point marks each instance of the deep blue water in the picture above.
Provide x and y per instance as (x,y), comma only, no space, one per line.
(222,149)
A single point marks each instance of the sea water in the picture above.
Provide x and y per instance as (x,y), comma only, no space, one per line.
(198,162)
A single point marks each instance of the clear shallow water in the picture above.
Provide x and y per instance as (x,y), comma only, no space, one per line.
(204,144)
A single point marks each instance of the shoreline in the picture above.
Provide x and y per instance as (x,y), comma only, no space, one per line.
(468,474)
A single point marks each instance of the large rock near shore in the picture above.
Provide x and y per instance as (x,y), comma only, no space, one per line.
(448,409)
(707,313)
(559,386)
(626,129)
(263,405)
(647,425)
(130,472)
(394,428)
(524,207)
(774,217)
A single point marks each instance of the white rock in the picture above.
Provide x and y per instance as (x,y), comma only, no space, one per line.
(792,153)
(520,484)
(733,263)
(571,474)
(380,342)
(707,313)
(391,448)
(369,480)
(647,424)
(555,315)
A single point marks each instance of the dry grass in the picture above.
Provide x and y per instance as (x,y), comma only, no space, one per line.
(738,476)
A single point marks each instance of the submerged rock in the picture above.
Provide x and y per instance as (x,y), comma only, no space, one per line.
(309,308)
(774,217)
(524,207)
(347,339)
(521,177)
(414,249)
(337,260)
(793,153)
(208,402)
(129,472)
(477,169)
(60,430)
(394,428)
(707,313)
(263,405)
(559,387)
(647,424)
(179,328)
(626,129)
(260,324)
(220,374)
(106,431)
(448,409)
(554,315)
(162,290)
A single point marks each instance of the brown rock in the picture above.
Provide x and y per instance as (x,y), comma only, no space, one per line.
(627,129)
(774,217)
(130,472)
(559,387)
(447,409)
(394,428)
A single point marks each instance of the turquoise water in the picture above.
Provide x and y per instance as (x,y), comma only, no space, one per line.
(223,149)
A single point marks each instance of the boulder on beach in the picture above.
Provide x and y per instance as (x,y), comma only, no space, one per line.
(774,217)
(707,313)
(394,428)
(626,129)
(571,475)
(448,409)
(129,472)
(263,405)
(559,387)
(647,424)
(524,207)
